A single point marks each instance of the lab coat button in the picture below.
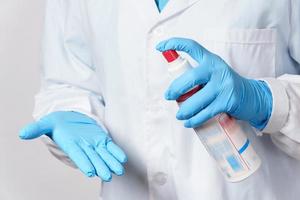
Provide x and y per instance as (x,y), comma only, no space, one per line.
(159,31)
(160,178)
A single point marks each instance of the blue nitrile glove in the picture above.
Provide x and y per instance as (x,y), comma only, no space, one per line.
(225,91)
(83,140)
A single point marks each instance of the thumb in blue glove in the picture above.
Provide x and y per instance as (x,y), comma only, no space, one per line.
(80,137)
(224,90)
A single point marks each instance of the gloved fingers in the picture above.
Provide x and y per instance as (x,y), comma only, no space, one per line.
(81,160)
(204,115)
(35,130)
(113,164)
(191,47)
(102,170)
(187,81)
(117,152)
(197,102)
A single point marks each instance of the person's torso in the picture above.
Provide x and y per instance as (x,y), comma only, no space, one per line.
(166,160)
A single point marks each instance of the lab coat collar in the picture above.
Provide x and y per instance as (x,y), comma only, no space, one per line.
(148,11)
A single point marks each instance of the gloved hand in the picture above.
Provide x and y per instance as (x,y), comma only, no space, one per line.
(86,144)
(224,90)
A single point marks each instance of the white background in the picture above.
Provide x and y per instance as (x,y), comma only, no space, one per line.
(27,170)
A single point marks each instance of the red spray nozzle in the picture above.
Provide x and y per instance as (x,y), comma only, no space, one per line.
(170,55)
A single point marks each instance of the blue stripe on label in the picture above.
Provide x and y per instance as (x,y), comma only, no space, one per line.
(244,147)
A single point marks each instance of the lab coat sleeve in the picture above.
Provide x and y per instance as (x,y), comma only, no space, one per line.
(69,81)
(284,123)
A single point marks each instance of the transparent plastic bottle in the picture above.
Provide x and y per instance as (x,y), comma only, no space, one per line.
(224,139)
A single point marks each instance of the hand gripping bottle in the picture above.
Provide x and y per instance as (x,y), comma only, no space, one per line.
(224,139)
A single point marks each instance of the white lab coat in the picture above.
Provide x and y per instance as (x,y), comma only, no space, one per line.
(99,58)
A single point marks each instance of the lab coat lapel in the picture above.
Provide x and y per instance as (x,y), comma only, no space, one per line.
(174,7)
(148,11)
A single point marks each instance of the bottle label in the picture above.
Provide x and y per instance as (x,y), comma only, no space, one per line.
(227,143)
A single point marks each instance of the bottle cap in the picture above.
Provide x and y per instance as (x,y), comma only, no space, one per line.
(170,55)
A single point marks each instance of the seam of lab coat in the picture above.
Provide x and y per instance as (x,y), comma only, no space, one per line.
(294,32)
(280,108)
(249,36)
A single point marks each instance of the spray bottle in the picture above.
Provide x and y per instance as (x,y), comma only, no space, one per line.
(222,136)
